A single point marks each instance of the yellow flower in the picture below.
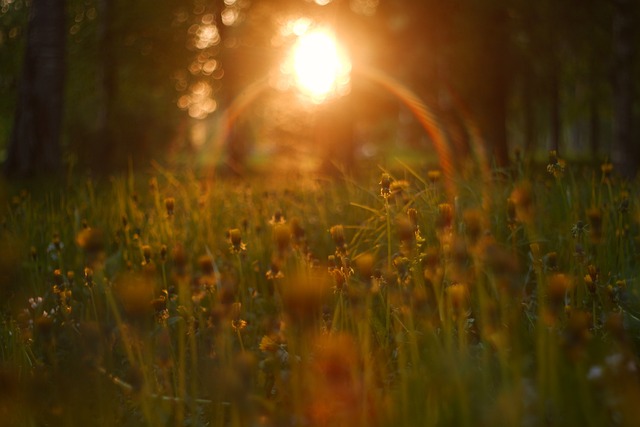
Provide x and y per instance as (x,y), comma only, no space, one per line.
(268,345)
(238,325)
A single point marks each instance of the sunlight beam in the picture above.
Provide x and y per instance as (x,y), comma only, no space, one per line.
(321,68)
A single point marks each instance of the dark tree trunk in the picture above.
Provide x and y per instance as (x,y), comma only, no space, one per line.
(494,83)
(528,112)
(34,146)
(594,127)
(102,155)
(554,107)
(625,153)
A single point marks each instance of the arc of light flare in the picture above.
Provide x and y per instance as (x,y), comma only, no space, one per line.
(423,114)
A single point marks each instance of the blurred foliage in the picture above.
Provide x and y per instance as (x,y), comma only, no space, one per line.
(550,62)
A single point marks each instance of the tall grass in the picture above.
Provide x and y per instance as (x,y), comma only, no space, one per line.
(382,301)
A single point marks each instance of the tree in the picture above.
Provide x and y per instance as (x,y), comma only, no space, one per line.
(34,146)
(625,153)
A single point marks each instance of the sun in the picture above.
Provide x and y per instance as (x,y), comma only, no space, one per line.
(320,66)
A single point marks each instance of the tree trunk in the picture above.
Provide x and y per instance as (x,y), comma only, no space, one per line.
(34,146)
(528,112)
(625,154)
(102,157)
(554,107)
(493,83)
(594,127)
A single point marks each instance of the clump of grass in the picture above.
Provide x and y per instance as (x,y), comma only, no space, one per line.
(381,302)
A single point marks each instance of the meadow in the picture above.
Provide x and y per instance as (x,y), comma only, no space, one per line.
(402,297)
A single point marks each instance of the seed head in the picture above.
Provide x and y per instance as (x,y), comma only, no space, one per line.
(556,165)
(277,218)
(385,185)
(235,239)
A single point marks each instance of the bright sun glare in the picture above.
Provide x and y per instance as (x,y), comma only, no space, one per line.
(320,66)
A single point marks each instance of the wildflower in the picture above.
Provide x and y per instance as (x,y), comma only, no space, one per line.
(591,279)
(205,264)
(558,286)
(303,297)
(434,176)
(55,247)
(179,256)
(579,229)
(378,281)
(337,234)
(606,169)
(160,303)
(135,293)
(385,185)
(364,263)
(277,218)
(522,197)
(297,233)
(472,224)
(594,215)
(235,239)
(577,335)
(458,297)
(268,345)
(71,277)
(406,234)
(398,187)
(402,265)
(282,237)
(274,272)
(552,261)
(238,324)
(444,218)
(331,259)
(90,240)
(556,165)
(88,277)
(412,214)
(163,253)
(34,303)
(146,254)
(339,280)
(169,204)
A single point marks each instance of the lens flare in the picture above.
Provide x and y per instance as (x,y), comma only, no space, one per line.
(320,66)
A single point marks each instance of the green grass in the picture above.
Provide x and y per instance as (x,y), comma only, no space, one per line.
(174,300)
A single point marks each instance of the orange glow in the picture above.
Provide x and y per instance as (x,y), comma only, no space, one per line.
(320,66)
